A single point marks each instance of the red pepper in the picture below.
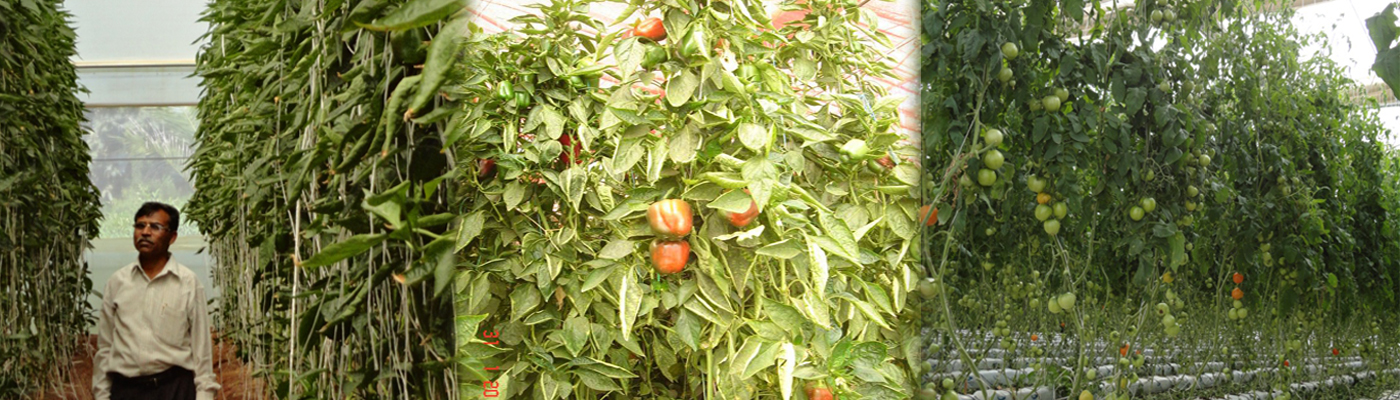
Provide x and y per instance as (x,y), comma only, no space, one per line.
(670,257)
(670,218)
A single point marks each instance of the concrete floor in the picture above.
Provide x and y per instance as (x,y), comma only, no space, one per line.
(109,255)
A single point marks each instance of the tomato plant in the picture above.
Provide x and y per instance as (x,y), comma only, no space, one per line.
(1165,149)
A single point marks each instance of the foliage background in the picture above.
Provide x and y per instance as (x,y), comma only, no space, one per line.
(48,207)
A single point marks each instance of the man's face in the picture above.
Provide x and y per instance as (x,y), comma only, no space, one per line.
(152,235)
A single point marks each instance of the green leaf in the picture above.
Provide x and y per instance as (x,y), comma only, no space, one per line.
(575,334)
(688,328)
(440,254)
(754,136)
(785,249)
(864,307)
(684,145)
(522,300)
(629,297)
(1382,28)
(680,88)
(617,248)
(735,201)
(841,234)
(817,264)
(415,14)
(515,193)
(1136,97)
(470,227)
(785,315)
(1177,243)
(341,250)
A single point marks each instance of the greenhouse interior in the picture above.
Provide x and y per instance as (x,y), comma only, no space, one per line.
(544,199)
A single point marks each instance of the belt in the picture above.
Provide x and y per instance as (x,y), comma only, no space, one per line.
(153,380)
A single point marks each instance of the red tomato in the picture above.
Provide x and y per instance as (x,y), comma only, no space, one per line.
(1285,363)
(1035,337)
(670,257)
(1237,294)
(1238,278)
(1335,352)
(1123,351)
(670,218)
(932,217)
(651,28)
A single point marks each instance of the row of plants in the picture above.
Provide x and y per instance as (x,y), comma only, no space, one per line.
(1174,175)
(687,201)
(49,209)
(313,192)
(683,202)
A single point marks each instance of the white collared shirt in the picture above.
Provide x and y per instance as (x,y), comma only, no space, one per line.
(149,325)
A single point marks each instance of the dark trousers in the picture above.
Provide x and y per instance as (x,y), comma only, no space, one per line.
(172,384)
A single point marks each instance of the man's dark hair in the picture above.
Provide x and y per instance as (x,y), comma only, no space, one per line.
(151,207)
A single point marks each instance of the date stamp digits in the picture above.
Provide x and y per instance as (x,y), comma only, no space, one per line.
(489,387)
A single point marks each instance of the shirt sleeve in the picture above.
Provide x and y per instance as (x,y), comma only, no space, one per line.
(101,386)
(202,348)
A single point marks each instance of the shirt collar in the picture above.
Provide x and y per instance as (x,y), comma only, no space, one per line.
(171,267)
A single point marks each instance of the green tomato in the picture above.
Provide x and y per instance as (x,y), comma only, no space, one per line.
(965,181)
(948,383)
(1169,16)
(1051,103)
(986,177)
(1035,105)
(1156,16)
(1035,183)
(1061,210)
(1164,86)
(1054,307)
(1067,301)
(1191,191)
(1205,160)
(1009,51)
(993,159)
(1149,176)
(1043,212)
(1148,204)
(1190,206)
(1004,75)
(1062,94)
(993,138)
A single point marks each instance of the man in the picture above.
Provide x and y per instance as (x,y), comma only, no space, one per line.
(153,334)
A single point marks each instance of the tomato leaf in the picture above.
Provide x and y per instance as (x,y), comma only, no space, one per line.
(1177,245)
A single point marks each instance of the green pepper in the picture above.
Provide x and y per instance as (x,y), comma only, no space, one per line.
(504,91)
(695,44)
(748,72)
(522,100)
(655,55)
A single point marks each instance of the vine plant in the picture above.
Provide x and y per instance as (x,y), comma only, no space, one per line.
(1170,175)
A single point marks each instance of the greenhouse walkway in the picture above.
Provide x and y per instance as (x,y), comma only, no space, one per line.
(233,376)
